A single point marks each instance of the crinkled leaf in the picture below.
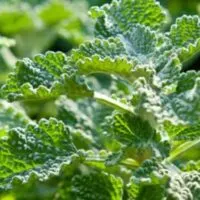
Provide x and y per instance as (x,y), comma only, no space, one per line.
(185,36)
(103,56)
(43,77)
(103,47)
(180,106)
(141,42)
(135,192)
(37,150)
(119,66)
(148,181)
(184,186)
(128,128)
(136,134)
(185,102)
(158,181)
(186,31)
(11,116)
(139,52)
(121,16)
(97,186)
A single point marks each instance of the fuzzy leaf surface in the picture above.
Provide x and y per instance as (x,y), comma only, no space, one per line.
(38,150)
(43,77)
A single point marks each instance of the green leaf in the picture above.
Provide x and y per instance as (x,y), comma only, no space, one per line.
(139,52)
(121,16)
(168,67)
(54,12)
(151,49)
(14,20)
(152,107)
(35,151)
(180,106)
(141,42)
(11,116)
(100,186)
(111,56)
(76,87)
(187,81)
(119,66)
(136,135)
(189,133)
(154,180)
(175,129)
(43,77)
(184,186)
(185,36)
(185,31)
(192,165)
(128,128)
(134,192)
(148,181)
(110,47)
(104,56)
(185,101)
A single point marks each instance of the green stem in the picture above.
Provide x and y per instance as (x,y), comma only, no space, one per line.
(8,57)
(182,149)
(128,162)
(113,103)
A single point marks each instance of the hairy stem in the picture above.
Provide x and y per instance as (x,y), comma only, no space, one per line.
(128,162)
(113,103)
(182,149)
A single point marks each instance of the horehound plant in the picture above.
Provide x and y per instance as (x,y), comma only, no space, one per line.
(136,138)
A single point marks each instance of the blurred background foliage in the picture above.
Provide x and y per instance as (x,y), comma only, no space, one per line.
(180,7)
(29,27)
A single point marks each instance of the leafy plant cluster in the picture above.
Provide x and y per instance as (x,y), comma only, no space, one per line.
(127,112)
